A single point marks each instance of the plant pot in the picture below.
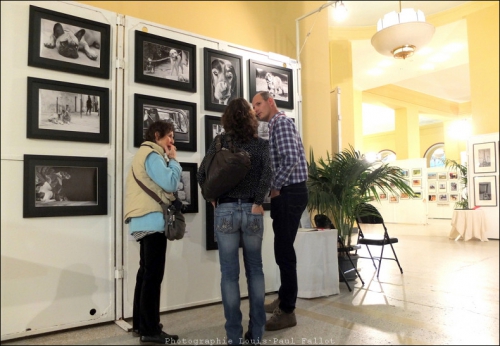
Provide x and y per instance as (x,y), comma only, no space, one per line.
(345,264)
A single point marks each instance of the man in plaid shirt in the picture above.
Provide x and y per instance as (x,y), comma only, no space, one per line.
(289,198)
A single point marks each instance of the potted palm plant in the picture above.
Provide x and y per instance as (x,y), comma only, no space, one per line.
(340,183)
(463,203)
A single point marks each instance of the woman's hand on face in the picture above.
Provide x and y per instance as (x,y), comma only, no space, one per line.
(171,151)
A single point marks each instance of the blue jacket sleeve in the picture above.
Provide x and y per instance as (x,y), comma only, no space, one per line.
(166,176)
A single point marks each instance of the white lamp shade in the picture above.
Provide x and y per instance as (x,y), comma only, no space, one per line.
(416,34)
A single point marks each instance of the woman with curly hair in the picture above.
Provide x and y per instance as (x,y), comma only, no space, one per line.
(239,218)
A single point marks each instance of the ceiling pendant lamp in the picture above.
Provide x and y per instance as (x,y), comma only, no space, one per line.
(401,34)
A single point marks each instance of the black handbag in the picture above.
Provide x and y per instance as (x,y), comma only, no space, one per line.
(224,169)
(175,222)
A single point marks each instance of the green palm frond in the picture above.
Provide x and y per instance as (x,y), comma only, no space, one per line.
(340,183)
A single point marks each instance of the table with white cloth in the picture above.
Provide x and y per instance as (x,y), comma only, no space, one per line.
(317,263)
(468,224)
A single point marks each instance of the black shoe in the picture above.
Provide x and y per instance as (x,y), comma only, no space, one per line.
(249,340)
(135,332)
(162,339)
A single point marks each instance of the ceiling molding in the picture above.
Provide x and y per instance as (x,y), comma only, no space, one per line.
(395,97)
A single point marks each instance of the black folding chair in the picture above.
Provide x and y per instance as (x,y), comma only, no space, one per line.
(323,221)
(368,214)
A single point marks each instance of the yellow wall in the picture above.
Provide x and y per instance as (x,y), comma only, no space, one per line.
(380,141)
(267,26)
(430,135)
(482,31)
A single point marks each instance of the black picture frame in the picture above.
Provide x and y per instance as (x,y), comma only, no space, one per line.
(154,56)
(59,111)
(216,62)
(187,190)
(213,127)
(257,73)
(484,157)
(64,186)
(42,24)
(211,241)
(182,113)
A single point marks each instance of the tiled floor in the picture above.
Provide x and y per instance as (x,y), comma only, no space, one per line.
(448,295)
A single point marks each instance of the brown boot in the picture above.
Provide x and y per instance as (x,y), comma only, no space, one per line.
(269,308)
(280,320)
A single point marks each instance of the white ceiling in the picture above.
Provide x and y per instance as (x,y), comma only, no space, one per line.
(449,79)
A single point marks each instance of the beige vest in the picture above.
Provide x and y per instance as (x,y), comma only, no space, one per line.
(137,202)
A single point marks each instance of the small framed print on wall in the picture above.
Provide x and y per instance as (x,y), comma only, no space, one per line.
(187,190)
(277,80)
(213,127)
(484,157)
(148,109)
(223,78)
(67,111)
(485,191)
(164,62)
(64,186)
(62,42)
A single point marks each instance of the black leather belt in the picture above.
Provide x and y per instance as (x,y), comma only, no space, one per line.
(234,200)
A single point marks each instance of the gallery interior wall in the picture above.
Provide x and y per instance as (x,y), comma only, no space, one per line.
(66,272)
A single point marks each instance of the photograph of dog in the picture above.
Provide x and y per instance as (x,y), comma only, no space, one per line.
(65,186)
(224,81)
(66,42)
(165,62)
(67,111)
(275,83)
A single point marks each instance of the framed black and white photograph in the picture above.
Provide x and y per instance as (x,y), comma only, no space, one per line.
(432,185)
(443,198)
(67,43)
(164,62)
(442,187)
(223,78)
(277,80)
(213,127)
(453,186)
(484,157)
(485,191)
(67,111)
(64,186)
(149,109)
(187,190)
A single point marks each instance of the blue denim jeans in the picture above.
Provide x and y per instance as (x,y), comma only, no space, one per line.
(286,211)
(235,223)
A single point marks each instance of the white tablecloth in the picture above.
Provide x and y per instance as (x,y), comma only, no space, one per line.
(468,224)
(317,263)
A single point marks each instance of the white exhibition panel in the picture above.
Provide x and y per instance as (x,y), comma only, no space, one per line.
(192,274)
(57,272)
(490,212)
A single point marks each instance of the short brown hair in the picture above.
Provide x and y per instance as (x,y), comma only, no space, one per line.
(163,128)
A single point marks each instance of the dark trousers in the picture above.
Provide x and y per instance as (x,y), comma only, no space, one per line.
(148,284)
(286,211)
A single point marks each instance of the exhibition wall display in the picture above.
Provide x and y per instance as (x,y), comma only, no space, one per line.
(90,104)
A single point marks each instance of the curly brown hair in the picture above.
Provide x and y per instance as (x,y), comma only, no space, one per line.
(239,119)
(162,127)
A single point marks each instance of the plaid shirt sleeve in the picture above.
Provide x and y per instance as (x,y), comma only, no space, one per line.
(287,154)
